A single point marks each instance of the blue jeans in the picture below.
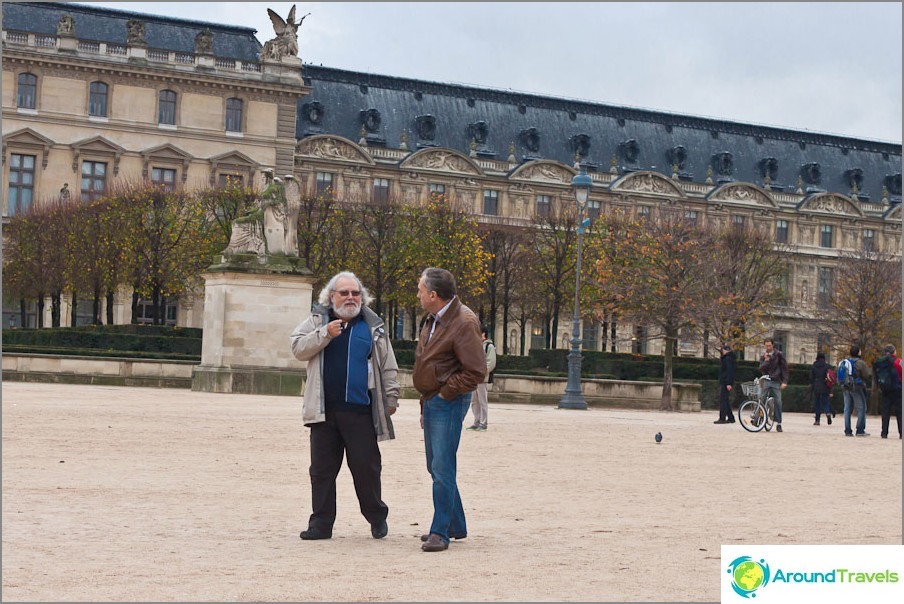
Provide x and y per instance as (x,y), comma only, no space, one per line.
(442,432)
(821,405)
(851,398)
(772,387)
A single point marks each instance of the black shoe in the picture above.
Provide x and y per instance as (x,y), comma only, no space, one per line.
(884,435)
(721,421)
(829,419)
(848,433)
(426,536)
(313,534)
(379,530)
(862,434)
(816,423)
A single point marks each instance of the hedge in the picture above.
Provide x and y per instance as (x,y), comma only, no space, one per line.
(106,339)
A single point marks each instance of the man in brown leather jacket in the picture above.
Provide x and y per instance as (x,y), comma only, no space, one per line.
(448,365)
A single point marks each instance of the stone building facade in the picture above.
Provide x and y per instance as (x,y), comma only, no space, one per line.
(172,88)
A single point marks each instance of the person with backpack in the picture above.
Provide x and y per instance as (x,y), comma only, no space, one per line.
(853,375)
(822,388)
(774,368)
(888,376)
(480,405)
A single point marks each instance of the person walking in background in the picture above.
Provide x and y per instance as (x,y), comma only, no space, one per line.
(774,368)
(854,375)
(728,363)
(449,364)
(350,393)
(821,390)
(888,376)
(480,406)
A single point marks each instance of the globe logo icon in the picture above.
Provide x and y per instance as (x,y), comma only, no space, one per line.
(748,575)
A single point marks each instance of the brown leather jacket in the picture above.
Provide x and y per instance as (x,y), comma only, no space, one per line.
(452,363)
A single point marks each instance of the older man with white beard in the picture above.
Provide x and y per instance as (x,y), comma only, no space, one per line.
(350,393)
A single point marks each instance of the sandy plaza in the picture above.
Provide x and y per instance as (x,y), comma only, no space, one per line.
(139,494)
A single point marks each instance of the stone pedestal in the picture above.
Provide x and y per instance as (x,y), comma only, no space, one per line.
(248,316)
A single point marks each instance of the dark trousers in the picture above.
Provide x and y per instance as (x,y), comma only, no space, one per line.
(724,404)
(821,404)
(890,404)
(354,435)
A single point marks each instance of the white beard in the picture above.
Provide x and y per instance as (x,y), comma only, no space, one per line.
(348,310)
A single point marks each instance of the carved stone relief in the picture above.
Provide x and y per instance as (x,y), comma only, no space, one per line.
(742,193)
(647,182)
(441,160)
(545,171)
(329,148)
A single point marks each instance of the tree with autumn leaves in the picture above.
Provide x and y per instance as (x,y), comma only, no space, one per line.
(667,272)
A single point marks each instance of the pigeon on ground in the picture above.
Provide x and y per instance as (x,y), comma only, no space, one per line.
(659,437)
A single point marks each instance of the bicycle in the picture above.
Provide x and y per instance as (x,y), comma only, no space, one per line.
(754,414)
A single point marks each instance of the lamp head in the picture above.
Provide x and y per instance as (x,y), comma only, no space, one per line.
(581,184)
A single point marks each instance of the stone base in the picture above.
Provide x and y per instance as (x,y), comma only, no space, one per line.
(248,380)
(249,313)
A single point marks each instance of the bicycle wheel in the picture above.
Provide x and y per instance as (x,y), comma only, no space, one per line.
(752,416)
(770,413)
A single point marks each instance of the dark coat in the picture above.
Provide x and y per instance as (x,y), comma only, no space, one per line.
(818,377)
(727,367)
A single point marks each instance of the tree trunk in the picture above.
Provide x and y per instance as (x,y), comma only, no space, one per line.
(73,314)
(505,324)
(670,342)
(135,299)
(23,313)
(110,307)
(39,320)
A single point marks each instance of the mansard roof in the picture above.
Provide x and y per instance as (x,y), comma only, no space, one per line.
(109,25)
(542,127)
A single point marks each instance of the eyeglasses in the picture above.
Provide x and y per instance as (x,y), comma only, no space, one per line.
(345,293)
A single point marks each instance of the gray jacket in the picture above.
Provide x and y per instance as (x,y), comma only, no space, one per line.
(311,337)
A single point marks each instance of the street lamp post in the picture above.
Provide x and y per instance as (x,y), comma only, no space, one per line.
(574,397)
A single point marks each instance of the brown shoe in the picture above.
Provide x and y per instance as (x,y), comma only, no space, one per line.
(426,536)
(434,543)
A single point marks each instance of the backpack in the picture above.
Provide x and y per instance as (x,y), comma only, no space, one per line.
(831,378)
(486,349)
(886,374)
(846,374)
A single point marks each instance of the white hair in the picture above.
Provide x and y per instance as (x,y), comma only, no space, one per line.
(324,297)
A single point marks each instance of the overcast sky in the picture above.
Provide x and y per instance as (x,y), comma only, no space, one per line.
(819,66)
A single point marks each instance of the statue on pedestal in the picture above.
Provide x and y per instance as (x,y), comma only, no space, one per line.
(270,228)
(286,41)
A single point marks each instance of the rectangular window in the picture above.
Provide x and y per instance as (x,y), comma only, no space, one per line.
(94,179)
(639,340)
(590,334)
(543,203)
(21,183)
(233,115)
(491,202)
(824,342)
(691,216)
(324,183)
(781,231)
(780,341)
(166,112)
(593,208)
(230,180)
(643,212)
(783,287)
(97,99)
(869,240)
(437,188)
(825,290)
(164,177)
(737,222)
(381,191)
(826,236)
(27,94)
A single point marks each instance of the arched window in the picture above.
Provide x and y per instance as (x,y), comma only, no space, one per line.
(26,97)
(97,99)
(166,113)
(233,115)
